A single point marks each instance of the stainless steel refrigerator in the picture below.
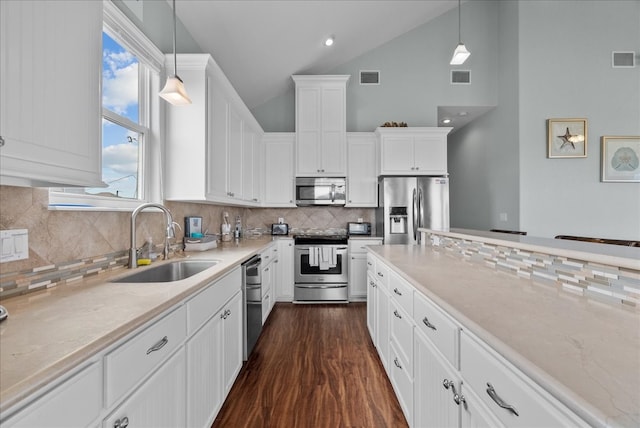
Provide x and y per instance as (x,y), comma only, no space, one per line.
(408,203)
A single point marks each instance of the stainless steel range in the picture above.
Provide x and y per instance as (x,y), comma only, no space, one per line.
(321,269)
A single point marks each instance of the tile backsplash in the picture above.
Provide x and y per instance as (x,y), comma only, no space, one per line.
(65,245)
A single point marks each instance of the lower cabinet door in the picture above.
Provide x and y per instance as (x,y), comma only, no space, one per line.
(372,307)
(357,276)
(204,374)
(474,414)
(402,382)
(232,342)
(159,402)
(384,325)
(435,385)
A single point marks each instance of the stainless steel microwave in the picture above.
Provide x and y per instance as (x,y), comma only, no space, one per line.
(321,191)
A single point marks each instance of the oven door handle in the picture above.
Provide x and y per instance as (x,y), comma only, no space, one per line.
(306,247)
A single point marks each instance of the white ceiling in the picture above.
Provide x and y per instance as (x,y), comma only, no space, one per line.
(259,44)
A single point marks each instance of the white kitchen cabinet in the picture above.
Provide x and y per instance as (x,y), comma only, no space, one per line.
(50,128)
(321,146)
(402,381)
(208,159)
(358,266)
(378,308)
(372,307)
(76,402)
(279,169)
(362,177)
(435,405)
(128,364)
(514,399)
(413,151)
(159,402)
(285,267)
(213,349)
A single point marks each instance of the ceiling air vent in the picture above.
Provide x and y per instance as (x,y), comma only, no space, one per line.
(369,77)
(623,59)
(460,77)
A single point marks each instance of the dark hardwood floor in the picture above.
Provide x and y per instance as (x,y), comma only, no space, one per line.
(313,366)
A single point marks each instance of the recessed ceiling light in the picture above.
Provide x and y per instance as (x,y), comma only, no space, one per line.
(329,41)
(446,121)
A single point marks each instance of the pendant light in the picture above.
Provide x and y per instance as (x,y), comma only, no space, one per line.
(173,91)
(460,54)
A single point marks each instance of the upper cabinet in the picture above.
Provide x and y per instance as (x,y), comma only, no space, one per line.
(321,129)
(212,145)
(50,107)
(278,164)
(362,180)
(413,151)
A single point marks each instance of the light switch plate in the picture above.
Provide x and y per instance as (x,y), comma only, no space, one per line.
(15,245)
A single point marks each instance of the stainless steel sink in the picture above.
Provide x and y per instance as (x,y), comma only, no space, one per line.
(174,271)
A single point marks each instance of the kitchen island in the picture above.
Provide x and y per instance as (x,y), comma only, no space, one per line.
(50,333)
(582,347)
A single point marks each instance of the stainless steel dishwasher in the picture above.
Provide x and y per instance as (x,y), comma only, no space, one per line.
(252,300)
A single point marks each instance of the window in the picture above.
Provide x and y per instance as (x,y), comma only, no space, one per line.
(131,67)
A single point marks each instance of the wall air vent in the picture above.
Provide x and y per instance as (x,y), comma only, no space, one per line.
(368,77)
(623,59)
(460,77)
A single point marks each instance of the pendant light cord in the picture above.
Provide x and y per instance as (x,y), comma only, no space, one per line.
(175,55)
(459,25)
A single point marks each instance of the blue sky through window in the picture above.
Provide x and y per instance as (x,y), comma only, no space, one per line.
(120,148)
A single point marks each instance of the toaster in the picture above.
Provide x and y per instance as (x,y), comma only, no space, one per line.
(279,229)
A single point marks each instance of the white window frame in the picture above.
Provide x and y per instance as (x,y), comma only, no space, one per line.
(121,29)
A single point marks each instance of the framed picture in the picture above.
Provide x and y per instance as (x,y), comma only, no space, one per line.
(567,138)
(621,159)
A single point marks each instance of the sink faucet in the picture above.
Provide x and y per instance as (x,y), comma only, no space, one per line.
(170,232)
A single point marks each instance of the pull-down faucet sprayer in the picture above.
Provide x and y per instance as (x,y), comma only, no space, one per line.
(170,232)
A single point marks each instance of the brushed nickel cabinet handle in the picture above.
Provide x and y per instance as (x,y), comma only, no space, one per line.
(426,322)
(499,401)
(395,312)
(380,275)
(395,290)
(121,423)
(397,363)
(158,345)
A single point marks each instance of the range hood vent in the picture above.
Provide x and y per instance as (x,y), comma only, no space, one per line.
(460,77)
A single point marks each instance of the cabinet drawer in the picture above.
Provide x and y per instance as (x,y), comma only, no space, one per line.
(402,383)
(382,274)
(371,264)
(437,326)
(210,300)
(77,402)
(401,292)
(481,368)
(402,334)
(268,254)
(360,245)
(136,358)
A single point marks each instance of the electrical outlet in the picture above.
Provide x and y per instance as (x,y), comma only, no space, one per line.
(280,220)
(15,245)
(360,220)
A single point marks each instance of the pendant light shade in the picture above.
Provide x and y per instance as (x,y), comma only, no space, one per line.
(461,53)
(174,91)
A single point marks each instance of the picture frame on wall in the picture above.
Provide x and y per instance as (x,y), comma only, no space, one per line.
(620,159)
(567,138)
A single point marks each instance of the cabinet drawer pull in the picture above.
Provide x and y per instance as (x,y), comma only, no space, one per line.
(457,398)
(494,396)
(426,322)
(121,423)
(395,290)
(395,312)
(369,264)
(380,275)
(397,363)
(225,314)
(158,345)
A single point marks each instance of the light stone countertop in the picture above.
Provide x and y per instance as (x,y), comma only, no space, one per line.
(584,352)
(49,333)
